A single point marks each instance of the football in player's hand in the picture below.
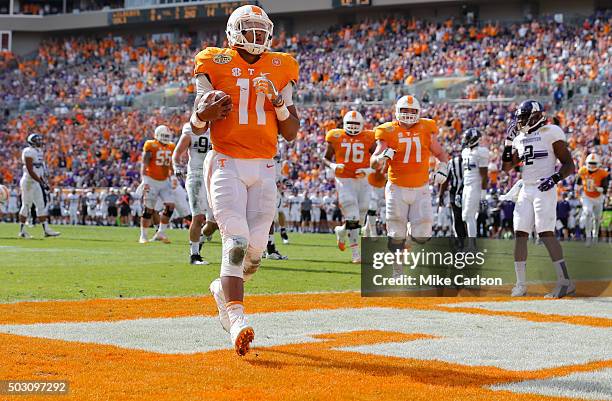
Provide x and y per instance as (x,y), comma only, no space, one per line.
(213,96)
(215,104)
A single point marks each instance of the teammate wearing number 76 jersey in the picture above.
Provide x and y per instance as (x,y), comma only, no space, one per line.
(351,147)
(406,146)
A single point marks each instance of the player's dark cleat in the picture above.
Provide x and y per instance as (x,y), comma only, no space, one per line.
(197,260)
(275,256)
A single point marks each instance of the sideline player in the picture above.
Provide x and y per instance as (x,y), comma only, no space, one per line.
(155,171)
(406,146)
(537,146)
(196,145)
(594,181)
(351,148)
(34,187)
(255,103)
(475,159)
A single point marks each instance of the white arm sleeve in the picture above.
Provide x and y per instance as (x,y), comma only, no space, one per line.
(483,157)
(203,85)
(287,93)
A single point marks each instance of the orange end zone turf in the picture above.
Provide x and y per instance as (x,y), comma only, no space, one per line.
(301,371)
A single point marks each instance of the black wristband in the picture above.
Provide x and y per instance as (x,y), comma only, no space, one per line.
(556,177)
(507,155)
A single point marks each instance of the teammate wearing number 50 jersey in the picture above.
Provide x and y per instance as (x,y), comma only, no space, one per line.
(406,146)
(251,105)
(351,148)
(155,172)
(197,147)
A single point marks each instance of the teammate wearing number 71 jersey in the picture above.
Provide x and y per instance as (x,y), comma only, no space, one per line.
(351,147)
(406,145)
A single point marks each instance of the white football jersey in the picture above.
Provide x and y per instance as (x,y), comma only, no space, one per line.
(328,201)
(38,162)
(295,201)
(73,201)
(473,159)
(536,152)
(200,145)
(316,202)
(92,199)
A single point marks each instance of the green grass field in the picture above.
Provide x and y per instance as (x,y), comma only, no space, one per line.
(108,262)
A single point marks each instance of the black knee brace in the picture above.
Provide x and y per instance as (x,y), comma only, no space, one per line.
(371,212)
(168,211)
(352,225)
(146,215)
(396,244)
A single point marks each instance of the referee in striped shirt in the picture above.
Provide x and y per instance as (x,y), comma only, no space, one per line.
(455,185)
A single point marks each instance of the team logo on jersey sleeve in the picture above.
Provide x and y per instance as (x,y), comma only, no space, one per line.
(222,59)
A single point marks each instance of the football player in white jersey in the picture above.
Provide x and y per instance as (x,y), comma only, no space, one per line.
(537,146)
(73,207)
(13,205)
(271,252)
(197,146)
(34,187)
(295,201)
(475,161)
(91,199)
(315,218)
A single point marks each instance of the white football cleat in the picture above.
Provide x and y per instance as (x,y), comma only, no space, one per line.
(25,234)
(563,288)
(143,240)
(160,237)
(51,233)
(356,259)
(285,242)
(217,292)
(242,335)
(519,290)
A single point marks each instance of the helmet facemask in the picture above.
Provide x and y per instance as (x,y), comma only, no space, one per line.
(353,127)
(528,120)
(407,115)
(592,162)
(260,27)
(163,135)
(35,140)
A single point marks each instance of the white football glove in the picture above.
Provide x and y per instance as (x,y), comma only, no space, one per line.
(441,173)
(264,85)
(388,153)
(362,172)
(179,170)
(338,168)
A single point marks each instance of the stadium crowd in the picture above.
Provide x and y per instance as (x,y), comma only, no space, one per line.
(80,88)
